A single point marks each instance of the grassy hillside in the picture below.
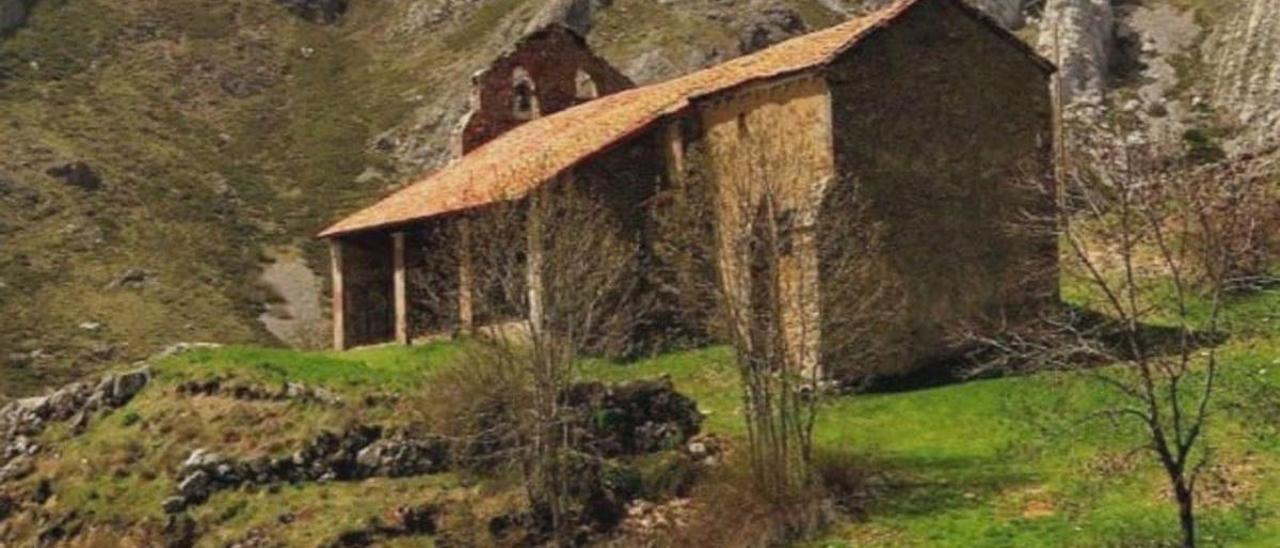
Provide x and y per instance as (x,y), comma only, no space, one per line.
(998,462)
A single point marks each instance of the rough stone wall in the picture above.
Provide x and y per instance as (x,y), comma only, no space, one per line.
(367,292)
(772,142)
(552,59)
(938,122)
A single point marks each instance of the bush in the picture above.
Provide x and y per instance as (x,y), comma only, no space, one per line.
(730,510)
(480,403)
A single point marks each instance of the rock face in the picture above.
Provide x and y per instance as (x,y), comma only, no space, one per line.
(1244,53)
(13,14)
(572,14)
(768,27)
(1006,12)
(1078,36)
(650,67)
(317,11)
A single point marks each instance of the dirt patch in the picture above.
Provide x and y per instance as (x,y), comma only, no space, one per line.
(1159,33)
(295,315)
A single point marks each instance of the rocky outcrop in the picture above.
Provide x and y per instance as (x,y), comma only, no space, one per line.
(1078,36)
(651,66)
(355,453)
(572,14)
(317,11)
(769,26)
(633,418)
(1008,13)
(22,420)
(13,14)
(1244,55)
(289,391)
(628,419)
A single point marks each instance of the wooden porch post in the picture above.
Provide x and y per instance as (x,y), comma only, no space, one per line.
(339,302)
(466,278)
(534,262)
(401,291)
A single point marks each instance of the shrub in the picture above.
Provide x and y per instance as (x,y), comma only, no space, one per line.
(480,403)
(730,510)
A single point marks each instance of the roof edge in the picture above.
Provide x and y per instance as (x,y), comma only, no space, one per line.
(1007,35)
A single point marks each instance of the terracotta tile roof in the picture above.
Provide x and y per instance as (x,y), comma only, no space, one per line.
(527,156)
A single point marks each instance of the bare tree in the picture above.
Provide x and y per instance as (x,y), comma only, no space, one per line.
(1152,241)
(553,277)
(779,271)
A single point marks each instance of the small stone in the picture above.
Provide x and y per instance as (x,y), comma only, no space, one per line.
(18,468)
(195,487)
(77,174)
(174,504)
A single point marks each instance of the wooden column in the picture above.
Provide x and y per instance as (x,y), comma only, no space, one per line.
(338,301)
(466,279)
(534,262)
(401,292)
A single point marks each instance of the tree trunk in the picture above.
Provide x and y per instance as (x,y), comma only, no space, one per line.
(1186,513)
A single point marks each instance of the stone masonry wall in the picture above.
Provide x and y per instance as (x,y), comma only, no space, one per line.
(940,127)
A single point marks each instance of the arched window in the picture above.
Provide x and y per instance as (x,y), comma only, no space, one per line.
(585,86)
(524,98)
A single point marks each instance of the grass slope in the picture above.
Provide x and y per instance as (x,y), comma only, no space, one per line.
(987,463)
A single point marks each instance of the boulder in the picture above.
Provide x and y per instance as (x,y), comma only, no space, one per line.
(418,520)
(180,531)
(401,457)
(18,468)
(325,12)
(13,14)
(133,278)
(771,25)
(633,418)
(574,15)
(652,66)
(194,488)
(119,389)
(77,174)
(174,504)
(7,506)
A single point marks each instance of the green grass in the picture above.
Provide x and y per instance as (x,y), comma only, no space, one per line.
(1004,463)
(381,368)
(999,462)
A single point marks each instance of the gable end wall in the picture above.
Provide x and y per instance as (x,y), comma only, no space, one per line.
(939,126)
